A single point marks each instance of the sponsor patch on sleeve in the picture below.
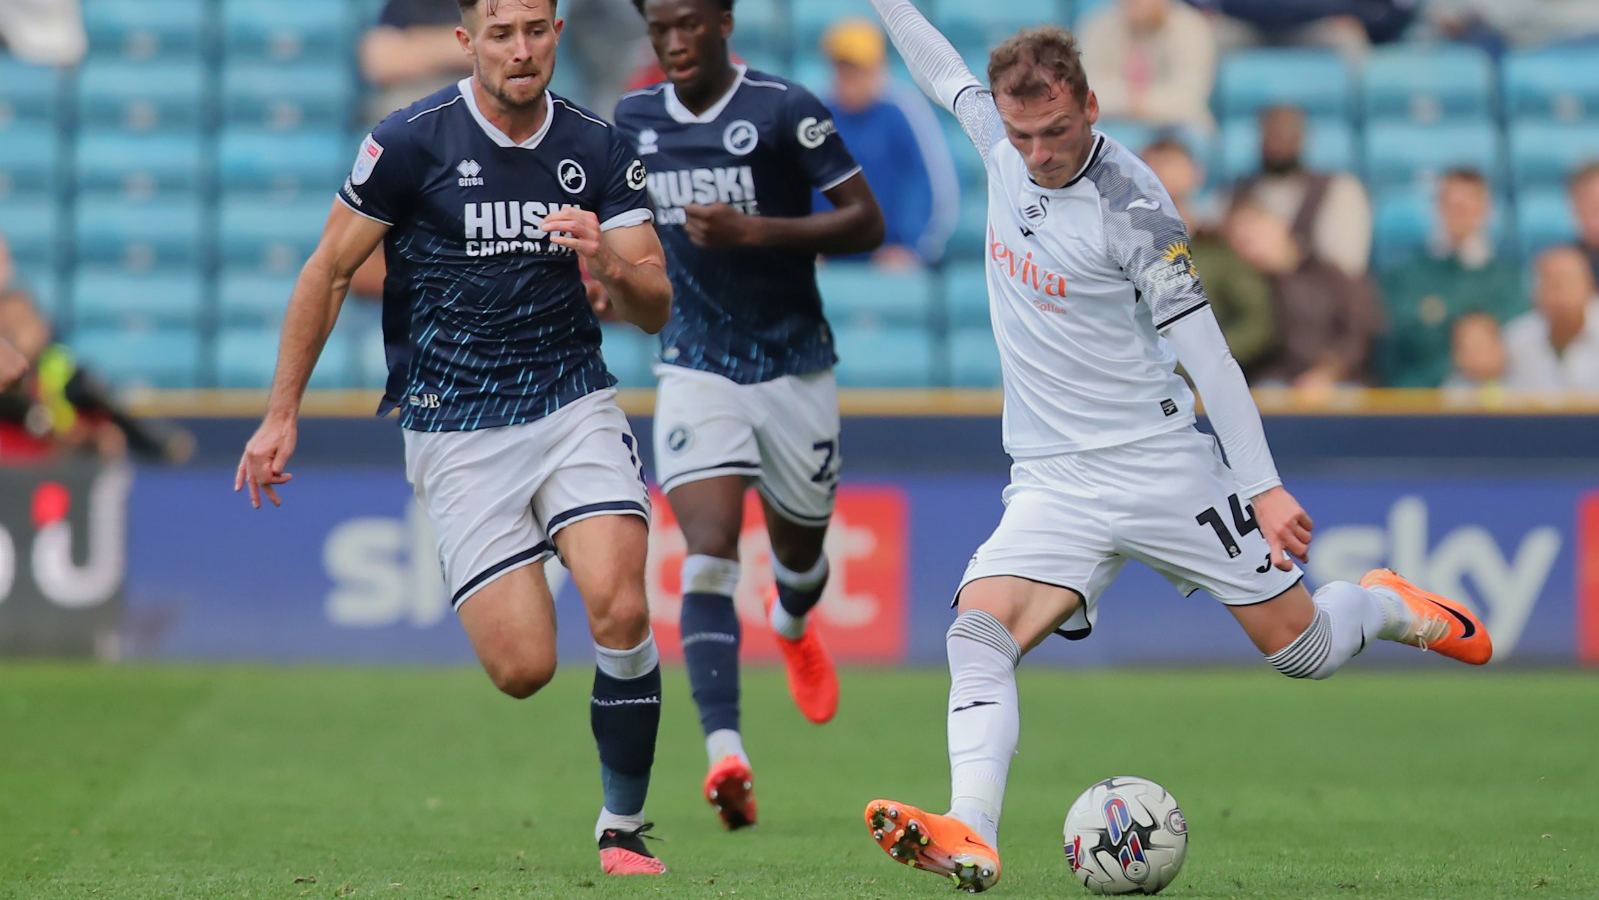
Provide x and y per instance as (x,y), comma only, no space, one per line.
(813,133)
(366,160)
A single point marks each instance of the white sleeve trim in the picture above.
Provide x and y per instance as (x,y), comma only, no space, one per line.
(346,202)
(840,179)
(1203,351)
(631,217)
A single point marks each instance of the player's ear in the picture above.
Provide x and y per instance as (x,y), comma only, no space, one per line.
(465,38)
(727,24)
(560,26)
(1091,108)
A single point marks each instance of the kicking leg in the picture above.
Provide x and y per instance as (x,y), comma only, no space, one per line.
(606,555)
(800,568)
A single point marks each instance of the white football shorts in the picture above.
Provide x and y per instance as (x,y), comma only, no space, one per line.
(782,433)
(496,497)
(1169,501)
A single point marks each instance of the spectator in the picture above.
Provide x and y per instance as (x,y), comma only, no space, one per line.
(60,407)
(411,52)
(1584,193)
(1555,347)
(1330,212)
(1326,319)
(1523,23)
(897,141)
(1239,295)
(1348,26)
(44,32)
(1477,355)
(1461,274)
(1151,61)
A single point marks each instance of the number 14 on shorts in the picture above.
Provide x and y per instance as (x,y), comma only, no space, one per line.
(1243,522)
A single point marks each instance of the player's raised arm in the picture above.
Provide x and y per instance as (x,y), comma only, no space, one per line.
(934,63)
(347,240)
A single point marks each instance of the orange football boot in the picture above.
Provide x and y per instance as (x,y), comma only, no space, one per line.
(1439,624)
(812,680)
(936,843)
(730,787)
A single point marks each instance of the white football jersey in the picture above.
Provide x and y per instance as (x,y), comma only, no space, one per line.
(1081,280)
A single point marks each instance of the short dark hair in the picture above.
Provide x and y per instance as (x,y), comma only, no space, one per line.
(1034,59)
(1168,143)
(1466,174)
(470,5)
(726,5)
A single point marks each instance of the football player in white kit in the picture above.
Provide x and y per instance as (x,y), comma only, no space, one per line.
(1094,301)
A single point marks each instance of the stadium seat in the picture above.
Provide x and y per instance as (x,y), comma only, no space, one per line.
(811,19)
(970,240)
(249,297)
(814,72)
(283,163)
(142,96)
(271,236)
(968,162)
(973,358)
(144,29)
(134,358)
(978,27)
(1329,146)
(1317,82)
(29,93)
(1427,83)
(140,235)
(857,295)
(884,357)
(1400,153)
(1545,154)
(1561,84)
(30,161)
(141,165)
(1543,219)
(32,226)
(762,30)
(1405,219)
(287,30)
(630,354)
(114,298)
(288,97)
(966,295)
(246,358)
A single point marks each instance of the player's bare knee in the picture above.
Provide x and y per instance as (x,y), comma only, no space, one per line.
(623,622)
(522,679)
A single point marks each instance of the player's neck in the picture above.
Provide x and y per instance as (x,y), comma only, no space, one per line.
(517,124)
(715,89)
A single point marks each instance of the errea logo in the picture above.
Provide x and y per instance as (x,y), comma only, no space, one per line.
(470,173)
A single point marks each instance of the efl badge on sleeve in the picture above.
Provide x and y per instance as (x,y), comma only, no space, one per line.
(366,161)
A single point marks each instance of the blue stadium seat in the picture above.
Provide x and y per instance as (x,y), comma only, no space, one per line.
(1543,219)
(1399,153)
(630,354)
(1135,136)
(288,97)
(246,358)
(29,93)
(1561,84)
(144,29)
(857,295)
(970,240)
(762,29)
(131,358)
(141,164)
(30,161)
(1545,154)
(283,162)
(253,298)
(966,295)
(32,226)
(142,96)
(1317,82)
(1428,83)
(1329,146)
(811,19)
(287,30)
(140,235)
(968,162)
(973,358)
(814,72)
(978,27)
(1405,219)
(271,236)
(114,298)
(885,357)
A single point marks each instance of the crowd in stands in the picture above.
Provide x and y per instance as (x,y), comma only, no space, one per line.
(1393,193)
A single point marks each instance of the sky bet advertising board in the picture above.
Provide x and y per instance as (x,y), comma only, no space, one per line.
(346,571)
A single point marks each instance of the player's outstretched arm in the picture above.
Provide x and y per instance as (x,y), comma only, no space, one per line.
(933,61)
(627,260)
(347,240)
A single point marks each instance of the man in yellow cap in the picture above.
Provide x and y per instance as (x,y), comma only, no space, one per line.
(897,141)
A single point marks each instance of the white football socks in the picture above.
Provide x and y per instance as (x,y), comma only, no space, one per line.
(984,718)
(1348,617)
(725,742)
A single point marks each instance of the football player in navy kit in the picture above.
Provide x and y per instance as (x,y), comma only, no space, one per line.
(485,196)
(746,386)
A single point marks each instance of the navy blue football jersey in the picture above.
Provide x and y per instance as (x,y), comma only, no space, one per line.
(749,314)
(485,320)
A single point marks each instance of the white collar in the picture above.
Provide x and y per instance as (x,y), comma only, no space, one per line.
(494,133)
(681,114)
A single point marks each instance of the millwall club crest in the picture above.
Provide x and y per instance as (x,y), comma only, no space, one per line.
(572,177)
(740,138)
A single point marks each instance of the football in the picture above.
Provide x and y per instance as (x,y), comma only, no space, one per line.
(1126,835)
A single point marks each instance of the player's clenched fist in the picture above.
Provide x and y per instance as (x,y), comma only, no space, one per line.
(716,225)
(578,229)
(265,457)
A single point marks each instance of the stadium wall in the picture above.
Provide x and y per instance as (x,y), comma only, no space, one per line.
(1503,511)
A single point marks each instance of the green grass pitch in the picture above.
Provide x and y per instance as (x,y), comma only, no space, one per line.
(220,782)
